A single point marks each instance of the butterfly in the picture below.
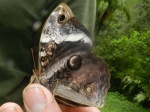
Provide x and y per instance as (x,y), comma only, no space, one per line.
(67,67)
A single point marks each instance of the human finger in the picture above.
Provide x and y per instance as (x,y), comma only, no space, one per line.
(10,107)
(37,98)
(65,108)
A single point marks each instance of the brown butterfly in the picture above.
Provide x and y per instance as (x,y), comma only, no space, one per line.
(67,67)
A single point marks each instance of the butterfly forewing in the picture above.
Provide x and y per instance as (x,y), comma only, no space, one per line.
(61,29)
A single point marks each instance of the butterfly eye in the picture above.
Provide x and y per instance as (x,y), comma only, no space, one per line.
(61,18)
(88,89)
(74,62)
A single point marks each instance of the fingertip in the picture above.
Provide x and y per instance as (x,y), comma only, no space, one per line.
(89,109)
(37,98)
(10,107)
(36,88)
(65,108)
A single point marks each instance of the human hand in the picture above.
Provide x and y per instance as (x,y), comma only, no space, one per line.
(38,99)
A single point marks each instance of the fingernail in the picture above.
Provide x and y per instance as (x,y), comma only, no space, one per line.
(34,99)
(9,109)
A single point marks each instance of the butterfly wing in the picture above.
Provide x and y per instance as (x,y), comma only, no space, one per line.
(67,67)
(61,33)
(86,86)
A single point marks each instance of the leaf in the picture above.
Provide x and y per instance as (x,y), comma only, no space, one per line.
(140,97)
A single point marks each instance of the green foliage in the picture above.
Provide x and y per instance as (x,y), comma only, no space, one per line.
(105,11)
(125,45)
(118,103)
(129,60)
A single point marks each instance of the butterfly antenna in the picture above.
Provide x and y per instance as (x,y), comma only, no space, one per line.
(34,67)
(36,77)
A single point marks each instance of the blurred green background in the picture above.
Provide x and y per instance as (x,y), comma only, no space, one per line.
(122,38)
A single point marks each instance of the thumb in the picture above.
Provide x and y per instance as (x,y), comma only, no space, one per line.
(38,99)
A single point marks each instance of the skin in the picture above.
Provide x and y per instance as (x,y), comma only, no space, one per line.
(38,99)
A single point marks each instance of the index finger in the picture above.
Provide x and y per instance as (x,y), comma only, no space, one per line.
(65,108)
(37,98)
(10,107)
